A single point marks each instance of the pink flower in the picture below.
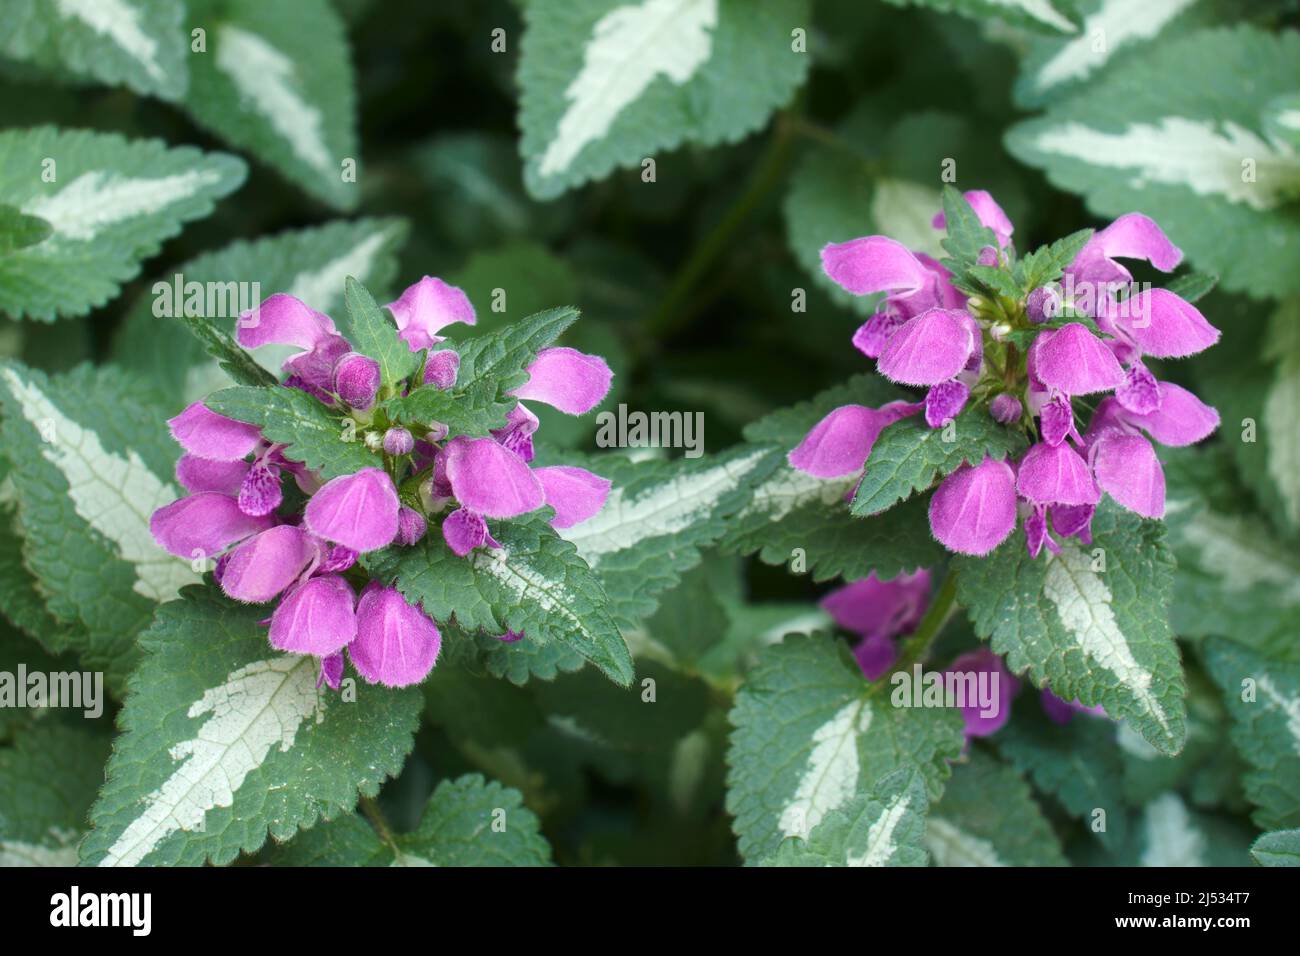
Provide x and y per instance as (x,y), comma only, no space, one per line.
(236,510)
(988,707)
(878,611)
(927,334)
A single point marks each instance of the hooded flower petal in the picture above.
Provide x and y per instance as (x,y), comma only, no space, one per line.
(567,379)
(203,474)
(203,525)
(396,644)
(1056,474)
(1075,361)
(1131,236)
(283,320)
(488,478)
(205,434)
(974,509)
(930,348)
(1163,325)
(358,511)
(575,493)
(426,307)
(990,215)
(317,617)
(1180,418)
(985,709)
(1127,469)
(840,443)
(874,264)
(266,564)
(872,606)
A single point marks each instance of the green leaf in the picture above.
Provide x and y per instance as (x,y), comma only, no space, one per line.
(885,828)
(1089,623)
(86,483)
(1168,834)
(225,740)
(310,264)
(372,333)
(347,840)
(1253,381)
(277,80)
(607,83)
(1054,66)
(314,434)
(51,774)
(1126,143)
(810,733)
(535,583)
(110,202)
(21,601)
(792,515)
(1227,559)
(658,516)
(1077,763)
(964,234)
(490,366)
(17,230)
(141,44)
(909,456)
(866,177)
(467,822)
(987,816)
(1047,263)
(234,361)
(1263,697)
(1193,286)
(1050,16)
(474,822)
(1279,848)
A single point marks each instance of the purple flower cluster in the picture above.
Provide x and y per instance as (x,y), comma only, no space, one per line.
(305,554)
(881,611)
(927,333)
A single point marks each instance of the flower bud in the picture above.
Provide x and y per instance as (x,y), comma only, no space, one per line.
(441,368)
(398,441)
(1043,303)
(356,380)
(988,257)
(1005,408)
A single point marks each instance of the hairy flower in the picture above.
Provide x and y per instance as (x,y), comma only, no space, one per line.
(928,333)
(302,552)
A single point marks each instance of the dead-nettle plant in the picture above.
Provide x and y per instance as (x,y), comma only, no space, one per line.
(311,492)
(1037,406)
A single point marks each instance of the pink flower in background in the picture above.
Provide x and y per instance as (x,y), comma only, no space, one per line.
(928,334)
(878,611)
(305,558)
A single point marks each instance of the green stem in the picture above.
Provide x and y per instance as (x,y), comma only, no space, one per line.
(370,808)
(672,313)
(944,605)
